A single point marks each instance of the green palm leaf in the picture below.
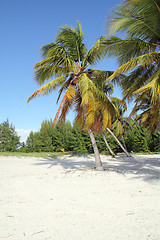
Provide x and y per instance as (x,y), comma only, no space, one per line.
(86,88)
(142,60)
(65,105)
(71,40)
(153,86)
(136,79)
(125,49)
(95,54)
(48,88)
(132,16)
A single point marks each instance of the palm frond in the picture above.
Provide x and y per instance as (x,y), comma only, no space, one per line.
(71,40)
(46,72)
(57,62)
(150,118)
(59,110)
(98,76)
(95,54)
(65,105)
(125,49)
(142,60)
(119,103)
(65,86)
(90,115)
(48,87)
(70,94)
(136,79)
(118,127)
(138,18)
(86,88)
(79,31)
(153,86)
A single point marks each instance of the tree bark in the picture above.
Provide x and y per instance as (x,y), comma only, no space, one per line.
(98,162)
(128,155)
(110,150)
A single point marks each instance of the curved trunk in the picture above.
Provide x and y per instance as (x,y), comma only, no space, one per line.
(128,155)
(98,162)
(110,150)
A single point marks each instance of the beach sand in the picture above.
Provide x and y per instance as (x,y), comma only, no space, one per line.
(62,198)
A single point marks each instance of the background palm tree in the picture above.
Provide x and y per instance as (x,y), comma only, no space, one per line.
(117,104)
(139,53)
(68,61)
(120,123)
(149,114)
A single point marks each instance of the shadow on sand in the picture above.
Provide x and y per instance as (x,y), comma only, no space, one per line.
(69,161)
(146,167)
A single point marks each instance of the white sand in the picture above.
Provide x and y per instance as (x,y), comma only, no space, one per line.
(63,199)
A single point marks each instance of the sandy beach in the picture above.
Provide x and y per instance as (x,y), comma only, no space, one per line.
(62,198)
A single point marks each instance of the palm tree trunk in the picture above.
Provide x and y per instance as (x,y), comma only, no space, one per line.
(124,144)
(98,162)
(110,150)
(128,155)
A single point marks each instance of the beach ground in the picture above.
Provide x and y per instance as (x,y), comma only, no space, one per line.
(63,198)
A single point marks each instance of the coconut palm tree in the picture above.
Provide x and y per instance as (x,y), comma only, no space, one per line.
(139,53)
(120,122)
(68,60)
(149,114)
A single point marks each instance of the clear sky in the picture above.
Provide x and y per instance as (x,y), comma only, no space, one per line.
(25,27)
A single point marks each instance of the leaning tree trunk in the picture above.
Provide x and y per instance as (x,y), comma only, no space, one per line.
(98,162)
(124,144)
(110,150)
(128,155)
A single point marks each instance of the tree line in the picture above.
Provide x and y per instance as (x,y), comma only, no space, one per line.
(67,137)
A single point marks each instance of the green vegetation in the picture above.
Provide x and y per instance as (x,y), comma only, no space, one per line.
(67,139)
(33,154)
(61,138)
(9,141)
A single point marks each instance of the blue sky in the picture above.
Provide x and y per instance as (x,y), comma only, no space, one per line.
(25,27)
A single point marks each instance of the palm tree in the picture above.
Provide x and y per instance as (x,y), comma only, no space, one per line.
(68,60)
(149,114)
(139,53)
(120,122)
(117,104)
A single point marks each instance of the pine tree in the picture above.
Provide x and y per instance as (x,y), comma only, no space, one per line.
(78,142)
(155,143)
(9,140)
(66,129)
(34,143)
(30,142)
(46,136)
(137,138)
(23,147)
